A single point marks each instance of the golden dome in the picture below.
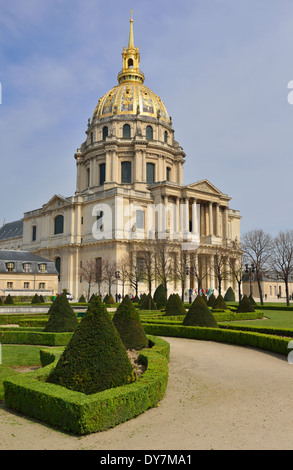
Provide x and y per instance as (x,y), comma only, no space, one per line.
(131,96)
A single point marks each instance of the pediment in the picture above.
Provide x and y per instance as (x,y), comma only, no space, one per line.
(56,202)
(206,187)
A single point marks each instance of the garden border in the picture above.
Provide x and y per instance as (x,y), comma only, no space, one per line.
(80,414)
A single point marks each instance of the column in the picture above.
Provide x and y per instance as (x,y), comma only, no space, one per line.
(108,167)
(143,165)
(177,218)
(211,231)
(225,223)
(218,220)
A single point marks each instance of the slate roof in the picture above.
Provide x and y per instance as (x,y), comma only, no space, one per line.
(21,257)
(11,230)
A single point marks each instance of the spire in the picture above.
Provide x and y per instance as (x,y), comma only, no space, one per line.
(130,60)
(131,40)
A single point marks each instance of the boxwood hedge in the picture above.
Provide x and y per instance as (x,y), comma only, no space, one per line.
(80,414)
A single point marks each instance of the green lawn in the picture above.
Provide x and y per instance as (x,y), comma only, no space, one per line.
(17,355)
(272,319)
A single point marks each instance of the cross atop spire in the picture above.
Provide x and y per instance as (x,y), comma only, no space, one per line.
(131,40)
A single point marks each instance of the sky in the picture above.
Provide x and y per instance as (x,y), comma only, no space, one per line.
(222,68)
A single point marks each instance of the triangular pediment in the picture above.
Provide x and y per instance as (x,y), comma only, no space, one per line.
(56,202)
(206,187)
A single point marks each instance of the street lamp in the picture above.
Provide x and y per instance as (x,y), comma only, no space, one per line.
(249,270)
(189,271)
(117,277)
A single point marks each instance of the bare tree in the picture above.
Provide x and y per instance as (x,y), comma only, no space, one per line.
(135,272)
(164,260)
(236,271)
(149,265)
(180,270)
(123,267)
(219,267)
(257,248)
(109,270)
(282,258)
(99,273)
(88,272)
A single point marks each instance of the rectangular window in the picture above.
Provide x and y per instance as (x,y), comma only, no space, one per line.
(42,268)
(34,233)
(88,175)
(10,267)
(126,172)
(102,173)
(9,285)
(100,224)
(27,267)
(140,265)
(42,285)
(150,173)
(26,285)
(168,174)
(140,219)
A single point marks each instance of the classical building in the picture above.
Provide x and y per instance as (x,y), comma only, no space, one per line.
(25,274)
(130,195)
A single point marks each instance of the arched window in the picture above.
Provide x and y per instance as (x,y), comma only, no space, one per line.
(92,138)
(166,137)
(126,172)
(130,63)
(58,266)
(168,174)
(126,131)
(59,224)
(149,133)
(105,132)
(150,173)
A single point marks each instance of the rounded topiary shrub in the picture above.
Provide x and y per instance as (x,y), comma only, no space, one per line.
(160,297)
(245,305)
(230,295)
(62,317)
(175,305)
(211,300)
(82,299)
(147,303)
(36,299)
(220,303)
(199,314)
(95,358)
(9,300)
(127,322)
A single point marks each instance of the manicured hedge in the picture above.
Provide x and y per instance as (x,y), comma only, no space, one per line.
(32,336)
(260,329)
(10,318)
(81,414)
(272,343)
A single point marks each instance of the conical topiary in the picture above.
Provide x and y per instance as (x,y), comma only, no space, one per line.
(230,295)
(95,358)
(42,300)
(135,300)
(62,317)
(110,300)
(199,314)
(220,303)
(9,300)
(147,303)
(160,297)
(211,300)
(175,305)
(204,297)
(82,299)
(36,299)
(127,322)
(252,301)
(245,305)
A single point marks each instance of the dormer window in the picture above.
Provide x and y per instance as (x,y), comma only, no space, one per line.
(10,267)
(27,267)
(42,268)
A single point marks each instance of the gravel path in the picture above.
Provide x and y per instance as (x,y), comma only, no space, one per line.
(218,397)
